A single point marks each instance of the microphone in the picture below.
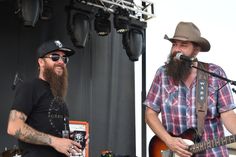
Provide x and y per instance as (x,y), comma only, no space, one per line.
(16,81)
(181,56)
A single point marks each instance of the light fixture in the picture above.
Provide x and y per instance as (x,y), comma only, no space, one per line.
(29,11)
(134,40)
(121,20)
(78,29)
(102,24)
(78,23)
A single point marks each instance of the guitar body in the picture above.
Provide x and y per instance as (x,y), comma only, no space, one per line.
(158,148)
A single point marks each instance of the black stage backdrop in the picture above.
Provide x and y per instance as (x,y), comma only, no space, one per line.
(101,78)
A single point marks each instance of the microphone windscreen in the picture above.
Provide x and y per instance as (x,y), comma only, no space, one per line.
(178,55)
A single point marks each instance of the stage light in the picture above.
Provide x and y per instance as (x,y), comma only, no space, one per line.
(102,24)
(121,20)
(78,29)
(134,40)
(79,22)
(29,11)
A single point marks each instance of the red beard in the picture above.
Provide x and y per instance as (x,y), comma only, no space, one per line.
(58,83)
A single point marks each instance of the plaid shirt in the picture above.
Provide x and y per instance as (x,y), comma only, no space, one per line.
(178,111)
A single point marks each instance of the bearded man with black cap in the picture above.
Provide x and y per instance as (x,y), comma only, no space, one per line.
(39,114)
(188,99)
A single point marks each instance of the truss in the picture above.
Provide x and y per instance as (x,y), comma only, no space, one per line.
(142,12)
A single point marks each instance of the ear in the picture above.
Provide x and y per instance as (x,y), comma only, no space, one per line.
(41,62)
(197,49)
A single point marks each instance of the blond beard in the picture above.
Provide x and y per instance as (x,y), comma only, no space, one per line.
(58,83)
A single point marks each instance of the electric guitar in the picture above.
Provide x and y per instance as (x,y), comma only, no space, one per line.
(157,147)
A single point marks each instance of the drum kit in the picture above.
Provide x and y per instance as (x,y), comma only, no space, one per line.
(15,152)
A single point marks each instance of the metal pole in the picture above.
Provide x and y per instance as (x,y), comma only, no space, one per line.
(144,136)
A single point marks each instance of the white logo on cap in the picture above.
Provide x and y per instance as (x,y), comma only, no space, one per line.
(58,43)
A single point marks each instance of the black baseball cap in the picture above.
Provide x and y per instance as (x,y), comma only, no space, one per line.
(53,45)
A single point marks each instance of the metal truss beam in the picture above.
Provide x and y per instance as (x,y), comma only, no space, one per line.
(142,12)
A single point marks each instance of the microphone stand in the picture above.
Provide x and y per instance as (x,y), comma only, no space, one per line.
(218,76)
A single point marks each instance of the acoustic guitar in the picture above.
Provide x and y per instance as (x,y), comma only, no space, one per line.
(158,148)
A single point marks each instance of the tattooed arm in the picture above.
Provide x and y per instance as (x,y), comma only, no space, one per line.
(19,129)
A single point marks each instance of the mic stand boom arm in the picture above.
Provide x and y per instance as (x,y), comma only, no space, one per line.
(215,75)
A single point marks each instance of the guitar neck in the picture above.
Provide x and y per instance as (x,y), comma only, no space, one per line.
(212,143)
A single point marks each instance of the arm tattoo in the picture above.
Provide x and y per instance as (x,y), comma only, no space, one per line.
(27,133)
(30,135)
(15,115)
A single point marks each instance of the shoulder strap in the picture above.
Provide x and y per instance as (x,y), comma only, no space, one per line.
(201,96)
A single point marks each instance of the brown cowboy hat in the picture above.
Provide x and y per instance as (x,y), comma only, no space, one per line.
(187,31)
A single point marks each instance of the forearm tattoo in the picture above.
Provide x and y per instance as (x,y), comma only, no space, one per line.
(27,133)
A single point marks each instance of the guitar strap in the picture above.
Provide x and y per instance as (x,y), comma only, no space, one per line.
(201,97)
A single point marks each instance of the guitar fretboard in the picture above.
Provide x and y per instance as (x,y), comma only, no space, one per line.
(212,143)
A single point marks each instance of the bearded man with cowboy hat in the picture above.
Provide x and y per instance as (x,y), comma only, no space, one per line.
(174,94)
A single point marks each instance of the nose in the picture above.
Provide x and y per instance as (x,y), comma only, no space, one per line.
(60,61)
(176,48)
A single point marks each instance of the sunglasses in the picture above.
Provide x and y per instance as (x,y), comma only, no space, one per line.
(55,57)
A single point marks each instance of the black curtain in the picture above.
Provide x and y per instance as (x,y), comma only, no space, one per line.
(101,78)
